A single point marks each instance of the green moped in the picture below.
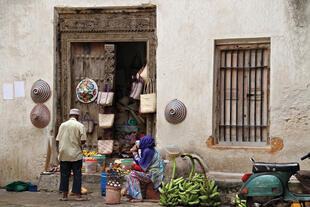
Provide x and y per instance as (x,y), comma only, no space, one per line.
(267,185)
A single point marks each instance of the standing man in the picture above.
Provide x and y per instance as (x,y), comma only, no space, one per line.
(69,140)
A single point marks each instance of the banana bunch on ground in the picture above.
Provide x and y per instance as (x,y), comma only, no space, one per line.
(194,191)
(189,193)
(208,194)
(238,202)
(199,192)
(88,154)
(169,193)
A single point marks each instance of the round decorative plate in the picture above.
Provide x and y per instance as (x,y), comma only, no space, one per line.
(87,90)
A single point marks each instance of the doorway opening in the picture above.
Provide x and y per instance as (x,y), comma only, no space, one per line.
(129,124)
(113,66)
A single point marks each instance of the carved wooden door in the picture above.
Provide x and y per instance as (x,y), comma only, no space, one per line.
(96,61)
(81,33)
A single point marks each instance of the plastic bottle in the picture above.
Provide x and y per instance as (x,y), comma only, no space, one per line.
(110,168)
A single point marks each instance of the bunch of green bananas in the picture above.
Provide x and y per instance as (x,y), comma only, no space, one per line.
(209,196)
(189,193)
(169,193)
(238,202)
(198,191)
(194,191)
(206,189)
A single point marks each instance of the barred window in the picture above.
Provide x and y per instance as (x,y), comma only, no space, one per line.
(242,79)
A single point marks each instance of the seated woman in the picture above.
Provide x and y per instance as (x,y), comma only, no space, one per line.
(152,165)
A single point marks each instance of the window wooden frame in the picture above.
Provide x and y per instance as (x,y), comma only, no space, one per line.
(238,45)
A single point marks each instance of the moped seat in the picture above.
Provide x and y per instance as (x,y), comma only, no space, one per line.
(271,167)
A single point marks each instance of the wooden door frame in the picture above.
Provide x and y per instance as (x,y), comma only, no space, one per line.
(107,24)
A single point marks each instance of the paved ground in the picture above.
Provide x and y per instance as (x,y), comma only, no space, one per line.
(44,199)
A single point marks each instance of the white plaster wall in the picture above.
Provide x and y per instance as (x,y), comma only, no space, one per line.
(186,32)
(26,51)
(27,54)
(185,55)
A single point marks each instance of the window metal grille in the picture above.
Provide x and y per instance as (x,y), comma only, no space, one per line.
(243,93)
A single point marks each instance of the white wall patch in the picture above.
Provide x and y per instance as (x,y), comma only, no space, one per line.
(19,89)
(7,91)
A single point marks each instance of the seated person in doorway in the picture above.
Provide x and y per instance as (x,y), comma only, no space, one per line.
(152,165)
(69,141)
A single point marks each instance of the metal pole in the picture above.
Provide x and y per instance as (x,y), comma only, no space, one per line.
(261,94)
(243,77)
(225,54)
(255,75)
(249,99)
(230,102)
(237,96)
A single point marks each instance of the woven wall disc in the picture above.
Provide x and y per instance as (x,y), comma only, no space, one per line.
(175,111)
(40,91)
(40,116)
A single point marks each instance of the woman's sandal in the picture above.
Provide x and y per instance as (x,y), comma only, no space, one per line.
(136,200)
(81,199)
(152,200)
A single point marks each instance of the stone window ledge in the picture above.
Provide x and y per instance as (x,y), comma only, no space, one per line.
(276,144)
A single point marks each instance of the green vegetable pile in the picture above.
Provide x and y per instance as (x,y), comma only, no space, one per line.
(238,202)
(194,191)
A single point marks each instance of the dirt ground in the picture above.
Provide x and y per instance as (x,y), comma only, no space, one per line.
(44,199)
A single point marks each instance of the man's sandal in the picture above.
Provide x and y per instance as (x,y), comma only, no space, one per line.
(63,199)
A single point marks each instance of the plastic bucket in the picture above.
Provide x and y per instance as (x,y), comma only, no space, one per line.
(100,162)
(100,159)
(127,163)
(113,195)
(90,165)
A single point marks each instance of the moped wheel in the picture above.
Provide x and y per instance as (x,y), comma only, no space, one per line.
(284,204)
(251,203)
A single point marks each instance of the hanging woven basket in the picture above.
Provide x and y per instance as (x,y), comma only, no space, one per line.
(175,111)
(40,116)
(40,91)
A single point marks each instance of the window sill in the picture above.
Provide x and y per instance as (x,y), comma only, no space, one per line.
(276,144)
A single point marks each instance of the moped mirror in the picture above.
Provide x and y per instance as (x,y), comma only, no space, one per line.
(252,160)
(306,156)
